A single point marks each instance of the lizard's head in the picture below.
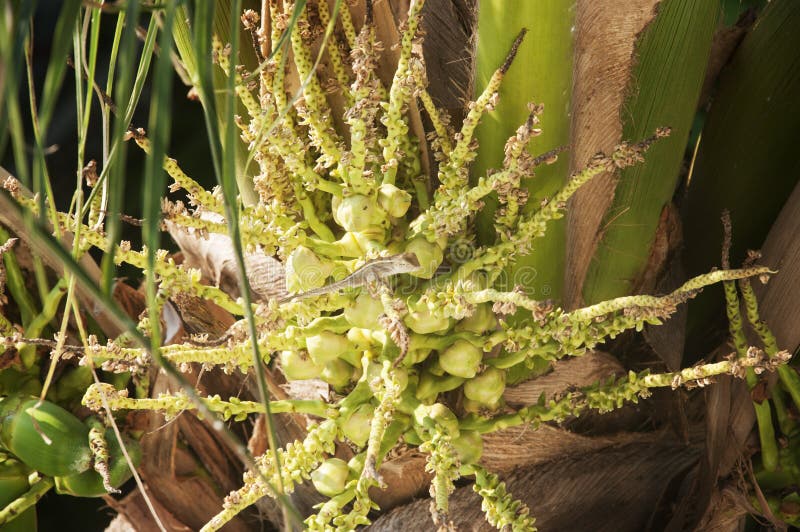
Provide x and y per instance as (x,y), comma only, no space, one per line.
(408,262)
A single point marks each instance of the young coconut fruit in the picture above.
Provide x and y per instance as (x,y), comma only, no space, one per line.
(327,346)
(13,485)
(305,270)
(298,366)
(486,388)
(393,200)
(90,483)
(330,477)
(429,255)
(461,359)
(44,436)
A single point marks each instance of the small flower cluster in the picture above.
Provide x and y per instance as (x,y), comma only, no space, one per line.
(501,509)
(294,464)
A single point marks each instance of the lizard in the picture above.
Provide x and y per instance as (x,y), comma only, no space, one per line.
(370,273)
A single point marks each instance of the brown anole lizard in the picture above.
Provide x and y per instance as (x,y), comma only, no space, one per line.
(372,271)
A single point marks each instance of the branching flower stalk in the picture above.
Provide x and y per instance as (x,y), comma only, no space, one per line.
(444,465)
(607,397)
(417,358)
(182,280)
(297,462)
(763,410)
(5,326)
(501,510)
(171,405)
(399,96)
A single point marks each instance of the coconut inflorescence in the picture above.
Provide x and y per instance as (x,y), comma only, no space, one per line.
(418,359)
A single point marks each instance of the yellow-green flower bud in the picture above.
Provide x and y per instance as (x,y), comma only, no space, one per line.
(327,346)
(408,399)
(359,213)
(461,359)
(438,414)
(354,244)
(364,311)
(411,437)
(486,388)
(373,234)
(336,201)
(305,271)
(401,374)
(476,407)
(380,336)
(360,338)
(416,356)
(393,200)
(429,255)
(298,366)
(356,426)
(396,247)
(374,376)
(482,320)
(420,319)
(330,477)
(337,373)
(435,368)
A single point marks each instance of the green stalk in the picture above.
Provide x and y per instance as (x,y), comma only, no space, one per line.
(26,502)
(125,98)
(155,177)
(56,68)
(541,73)
(41,115)
(13,35)
(747,161)
(221,142)
(221,26)
(15,284)
(14,484)
(669,68)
